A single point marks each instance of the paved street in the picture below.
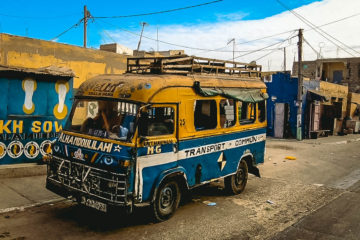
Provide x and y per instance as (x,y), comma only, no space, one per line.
(313,197)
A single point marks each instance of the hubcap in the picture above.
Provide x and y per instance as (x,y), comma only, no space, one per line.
(166,198)
(239,177)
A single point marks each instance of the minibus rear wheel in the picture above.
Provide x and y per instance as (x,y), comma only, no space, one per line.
(167,200)
(236,183)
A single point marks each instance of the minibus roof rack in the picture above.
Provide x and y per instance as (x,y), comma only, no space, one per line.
(191,65)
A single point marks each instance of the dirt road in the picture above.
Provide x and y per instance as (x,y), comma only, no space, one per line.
(288,192)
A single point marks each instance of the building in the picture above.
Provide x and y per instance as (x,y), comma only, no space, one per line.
(34,105)
(344,71)
(281,105)
(34,53)
(353,113)
(116,48)
(158,53)
(324,106)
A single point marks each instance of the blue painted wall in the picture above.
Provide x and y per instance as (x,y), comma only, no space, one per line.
(25,135)
(282,89)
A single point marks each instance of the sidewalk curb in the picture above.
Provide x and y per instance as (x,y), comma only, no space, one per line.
(22,208)
(277,142)
(22,170)
(346,141)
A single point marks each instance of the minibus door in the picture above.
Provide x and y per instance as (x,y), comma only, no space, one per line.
(157,145)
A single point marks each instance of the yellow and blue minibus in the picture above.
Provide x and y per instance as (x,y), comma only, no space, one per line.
(166,126)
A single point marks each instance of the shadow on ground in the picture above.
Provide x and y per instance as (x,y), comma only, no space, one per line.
(97,221)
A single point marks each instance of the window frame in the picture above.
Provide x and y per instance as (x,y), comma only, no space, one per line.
(174,132)
(213,117)
(235,113)
(258,110)
(242,122)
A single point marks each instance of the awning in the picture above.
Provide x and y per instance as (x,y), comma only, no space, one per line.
(314,95)
(241,94)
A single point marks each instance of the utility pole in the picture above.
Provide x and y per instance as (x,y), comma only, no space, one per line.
(234,50)
(233,41)
(300,88)
(157,38)
(142,30)
(85,24)
(284,59)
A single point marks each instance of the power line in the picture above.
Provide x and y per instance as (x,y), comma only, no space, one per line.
(218,49)
(161,12)
(277,34)
(188,47)
(290,37)
(73,26)
(274,35)
(338,20)
(270,52)
(38,18)
(317,53)
(249,41)
(316,28)
(280,43)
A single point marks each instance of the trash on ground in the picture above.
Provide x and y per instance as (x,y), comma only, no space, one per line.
(269,201)
(290,158)
(318,184)
(209,203)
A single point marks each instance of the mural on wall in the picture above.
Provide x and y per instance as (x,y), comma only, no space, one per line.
(32,113)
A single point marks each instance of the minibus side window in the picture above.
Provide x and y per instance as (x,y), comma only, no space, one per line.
(205,116)
(247,112)
(157,121)
(227,113)
(261,110)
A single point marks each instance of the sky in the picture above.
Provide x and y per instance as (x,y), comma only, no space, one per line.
(204,31)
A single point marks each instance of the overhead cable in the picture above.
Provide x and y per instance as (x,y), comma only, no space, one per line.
(73,26)
(338,20)
(38,17)
(280,43)
(183,46)
(317,29)
(317,53)
(161,12)
(284,40)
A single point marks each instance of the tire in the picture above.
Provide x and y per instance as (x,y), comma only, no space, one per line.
(236,183)
(167,200)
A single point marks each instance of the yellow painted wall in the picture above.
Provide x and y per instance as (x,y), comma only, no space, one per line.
(34,53)
(334,66)
(353,100)
(335,90)
(332,90)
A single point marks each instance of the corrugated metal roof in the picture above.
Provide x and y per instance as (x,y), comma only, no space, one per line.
(49,70)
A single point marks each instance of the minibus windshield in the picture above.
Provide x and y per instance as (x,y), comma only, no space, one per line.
(103,118)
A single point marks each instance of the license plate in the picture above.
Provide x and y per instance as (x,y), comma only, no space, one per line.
(94,204)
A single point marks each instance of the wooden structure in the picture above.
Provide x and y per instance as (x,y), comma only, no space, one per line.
(185,65)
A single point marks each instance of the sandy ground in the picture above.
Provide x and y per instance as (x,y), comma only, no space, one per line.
(288,192)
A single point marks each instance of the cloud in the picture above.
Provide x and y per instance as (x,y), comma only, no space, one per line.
(216,35)
(231,17)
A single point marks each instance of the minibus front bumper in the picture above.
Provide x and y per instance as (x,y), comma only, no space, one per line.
(94,187)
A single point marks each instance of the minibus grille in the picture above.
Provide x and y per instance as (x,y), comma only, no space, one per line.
(81,178)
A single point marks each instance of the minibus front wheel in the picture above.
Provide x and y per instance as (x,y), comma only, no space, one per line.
(236,183)
(167,200)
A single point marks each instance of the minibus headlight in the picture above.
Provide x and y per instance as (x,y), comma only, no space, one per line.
(108,160)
